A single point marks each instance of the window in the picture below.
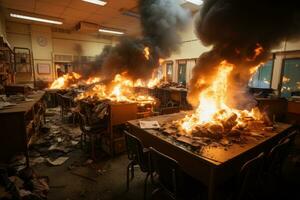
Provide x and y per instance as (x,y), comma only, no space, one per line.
(263,76)
(290,77)
(182,72)
(169,71)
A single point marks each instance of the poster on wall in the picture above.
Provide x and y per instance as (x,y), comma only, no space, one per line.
(43,68)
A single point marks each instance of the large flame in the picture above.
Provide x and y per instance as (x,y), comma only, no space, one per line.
(121,89)
(212,111)
(72,79)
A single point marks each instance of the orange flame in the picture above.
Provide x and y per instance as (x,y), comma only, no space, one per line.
(212,109)
(119,90)
(147,53)
(65,80)
(257,51)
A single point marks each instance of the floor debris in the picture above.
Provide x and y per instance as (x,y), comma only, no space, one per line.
(58,161)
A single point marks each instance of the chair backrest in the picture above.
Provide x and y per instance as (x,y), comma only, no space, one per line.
(135,150)
(248,177)
(291,136)
(59,99)
(277,156)
(168,170)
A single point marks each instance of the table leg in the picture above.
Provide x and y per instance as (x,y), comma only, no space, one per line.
(27,158)
(211,186)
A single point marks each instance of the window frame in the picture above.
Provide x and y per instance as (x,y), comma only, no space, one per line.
(282,72)
(182,61)
(272,71)
(168,63)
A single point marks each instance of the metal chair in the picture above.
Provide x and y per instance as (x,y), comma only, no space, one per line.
(93,131)
(273,178)
(291,136)
(276,158)
(66,103)
(248,179)
(138,155)
(172,181)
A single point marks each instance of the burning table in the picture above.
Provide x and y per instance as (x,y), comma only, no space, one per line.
(211,160)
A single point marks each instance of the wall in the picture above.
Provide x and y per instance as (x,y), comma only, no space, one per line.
(68,43)
(190,48)
(44,42)
(2,26)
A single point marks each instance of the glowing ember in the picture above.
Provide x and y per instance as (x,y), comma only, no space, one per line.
(212,112)
(64,81)
(257,51)
(147,53)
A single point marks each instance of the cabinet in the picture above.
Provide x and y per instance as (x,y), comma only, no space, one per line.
(114,141)
(23,65)
(19,124)
(6,63)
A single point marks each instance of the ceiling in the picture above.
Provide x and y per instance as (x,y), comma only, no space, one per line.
(71,12)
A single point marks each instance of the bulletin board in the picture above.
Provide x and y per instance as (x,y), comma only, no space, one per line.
(43,68)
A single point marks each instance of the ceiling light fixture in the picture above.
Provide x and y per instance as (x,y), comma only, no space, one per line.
(98,2)
(38,19)
(103,30)
(196,2)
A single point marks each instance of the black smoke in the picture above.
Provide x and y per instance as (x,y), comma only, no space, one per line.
(160,22)
(93,68)
(234,28)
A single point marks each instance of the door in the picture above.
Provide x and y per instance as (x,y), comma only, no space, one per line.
(169,71)
(182,72)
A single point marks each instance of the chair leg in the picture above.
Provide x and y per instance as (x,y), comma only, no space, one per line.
(93,147)
(145,185)
(132,171)
(154,192)
(128,168)
(81,140)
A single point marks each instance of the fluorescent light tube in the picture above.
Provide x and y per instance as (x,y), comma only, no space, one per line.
(110,31)
(98,2)
(197,2)
(35,19)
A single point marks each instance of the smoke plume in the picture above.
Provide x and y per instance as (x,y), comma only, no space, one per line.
(93,67)
(160,21)
(234,29)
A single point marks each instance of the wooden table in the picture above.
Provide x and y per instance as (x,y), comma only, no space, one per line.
(212,165)
(113,142)
(293,112)
(18,124)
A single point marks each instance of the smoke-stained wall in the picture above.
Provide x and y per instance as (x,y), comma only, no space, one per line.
(2,25)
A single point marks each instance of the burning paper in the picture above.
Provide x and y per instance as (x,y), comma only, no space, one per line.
(149,124)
